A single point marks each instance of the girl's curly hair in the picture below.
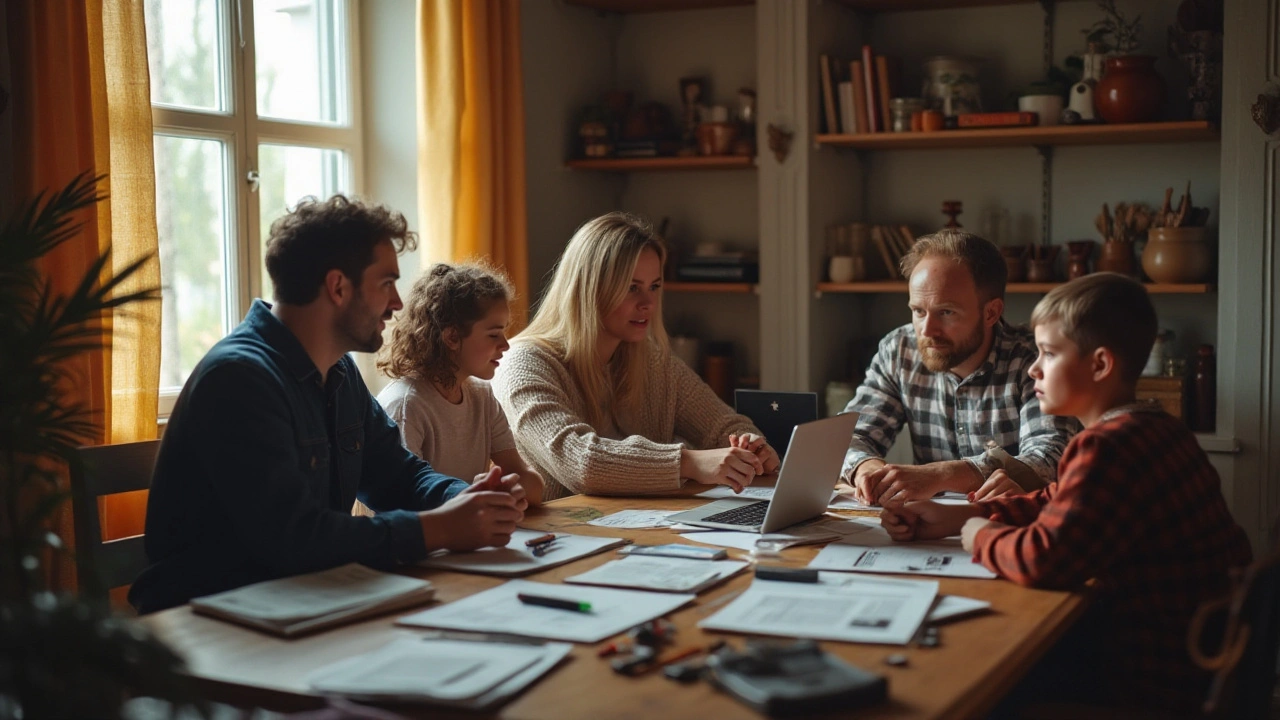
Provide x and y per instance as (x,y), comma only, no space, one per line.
(445,296)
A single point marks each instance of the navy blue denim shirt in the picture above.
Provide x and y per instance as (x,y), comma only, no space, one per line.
(260,464)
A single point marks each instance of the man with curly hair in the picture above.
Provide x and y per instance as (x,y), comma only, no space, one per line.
(275,435)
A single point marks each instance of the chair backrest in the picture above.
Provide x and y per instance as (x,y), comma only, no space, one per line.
(108,470)
(1245,669)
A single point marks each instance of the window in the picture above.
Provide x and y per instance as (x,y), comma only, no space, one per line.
(253,103)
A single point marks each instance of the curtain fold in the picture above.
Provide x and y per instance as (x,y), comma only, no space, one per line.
(80,100)
(471,164)
(124,148)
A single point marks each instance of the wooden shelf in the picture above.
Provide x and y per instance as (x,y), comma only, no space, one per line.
(625,7)
(1099,134)
(898,286)
(910,5)
(696,162)
(709,287)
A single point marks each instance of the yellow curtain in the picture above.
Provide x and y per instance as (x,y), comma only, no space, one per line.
(471,180)
(80,101)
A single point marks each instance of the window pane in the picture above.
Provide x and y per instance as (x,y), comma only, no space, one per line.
(185,54)
(288,173)
(301,60)
(191,215)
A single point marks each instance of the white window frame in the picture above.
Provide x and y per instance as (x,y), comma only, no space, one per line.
(243,131)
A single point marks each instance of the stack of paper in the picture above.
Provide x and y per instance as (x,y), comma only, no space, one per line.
(874,554)
(665,574)
(518,559)
(448,672)
(499,610)
(864,610)
(303,603)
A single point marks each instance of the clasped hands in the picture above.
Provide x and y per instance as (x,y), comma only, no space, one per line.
(876,483)
(483,515)
(747,456)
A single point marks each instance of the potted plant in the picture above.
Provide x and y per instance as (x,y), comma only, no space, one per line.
(60,656)
(1130,91)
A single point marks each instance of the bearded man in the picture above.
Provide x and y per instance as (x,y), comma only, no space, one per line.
(275,435)
(957,377)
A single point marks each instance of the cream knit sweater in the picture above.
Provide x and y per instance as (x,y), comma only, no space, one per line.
(548,416)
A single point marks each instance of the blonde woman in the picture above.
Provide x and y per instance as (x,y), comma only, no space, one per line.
(597,402)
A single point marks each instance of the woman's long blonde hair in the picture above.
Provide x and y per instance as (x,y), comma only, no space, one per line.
(590,280)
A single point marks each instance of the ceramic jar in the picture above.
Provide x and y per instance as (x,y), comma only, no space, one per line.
(1131,91)
(1178,255)
(1078,254)
(1117,257)
(951,84)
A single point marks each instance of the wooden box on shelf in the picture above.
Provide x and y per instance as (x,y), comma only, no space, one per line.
(1170,392)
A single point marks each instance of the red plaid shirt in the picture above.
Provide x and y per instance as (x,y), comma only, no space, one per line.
(1138,508)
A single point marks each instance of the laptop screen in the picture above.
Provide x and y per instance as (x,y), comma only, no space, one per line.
(776,413)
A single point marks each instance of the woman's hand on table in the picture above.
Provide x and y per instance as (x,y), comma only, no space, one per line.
(732,466)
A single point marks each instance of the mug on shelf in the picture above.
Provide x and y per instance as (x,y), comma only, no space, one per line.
(846,268)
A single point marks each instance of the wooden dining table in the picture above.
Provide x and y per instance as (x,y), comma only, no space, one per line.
(976,662)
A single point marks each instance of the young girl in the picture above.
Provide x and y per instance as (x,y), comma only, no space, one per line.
(443,351)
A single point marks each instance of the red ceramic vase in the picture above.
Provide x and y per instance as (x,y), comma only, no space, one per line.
(1131,91)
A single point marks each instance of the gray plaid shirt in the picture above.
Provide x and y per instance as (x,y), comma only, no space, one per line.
(953,418)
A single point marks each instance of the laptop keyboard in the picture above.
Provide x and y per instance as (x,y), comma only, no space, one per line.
(749,515)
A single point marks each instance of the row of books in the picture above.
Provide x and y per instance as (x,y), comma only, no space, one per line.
(892,242)
(855,94)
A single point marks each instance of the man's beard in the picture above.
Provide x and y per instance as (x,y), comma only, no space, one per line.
(355,333)
(940,359)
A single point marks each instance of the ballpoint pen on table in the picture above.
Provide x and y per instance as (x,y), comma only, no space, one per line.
(554,602)
(540,540)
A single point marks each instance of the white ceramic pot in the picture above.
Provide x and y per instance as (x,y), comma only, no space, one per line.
(1047,107)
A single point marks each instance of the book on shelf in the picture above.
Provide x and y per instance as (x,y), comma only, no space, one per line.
(869,79)
(996,119)
(828,94)
(877,239)
(886,82)
(859,97)
(848,123)
(712,272)
(314,601)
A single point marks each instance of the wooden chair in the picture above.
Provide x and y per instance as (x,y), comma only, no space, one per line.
(1244,667)
(1243,629)
(108,470)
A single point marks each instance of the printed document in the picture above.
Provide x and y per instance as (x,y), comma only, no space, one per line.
(518,559)
(498,610)
(665,574)
(448,672)
(865,610)
(944,558)
(635,519)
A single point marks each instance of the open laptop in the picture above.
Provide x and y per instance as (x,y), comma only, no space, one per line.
(808,475)
(776,413)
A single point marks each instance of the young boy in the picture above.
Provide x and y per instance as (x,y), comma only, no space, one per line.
(1137,507)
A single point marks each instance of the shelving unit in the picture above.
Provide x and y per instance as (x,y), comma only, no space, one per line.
(898,286)
(695,162)
(911,5)
(1156,132)
(709,287)
(626,7)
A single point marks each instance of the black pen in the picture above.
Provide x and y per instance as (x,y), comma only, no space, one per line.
(551,602)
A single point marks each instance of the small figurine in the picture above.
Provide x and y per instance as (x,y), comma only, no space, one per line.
(952,208)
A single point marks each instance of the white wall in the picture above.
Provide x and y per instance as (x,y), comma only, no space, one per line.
(568,62)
